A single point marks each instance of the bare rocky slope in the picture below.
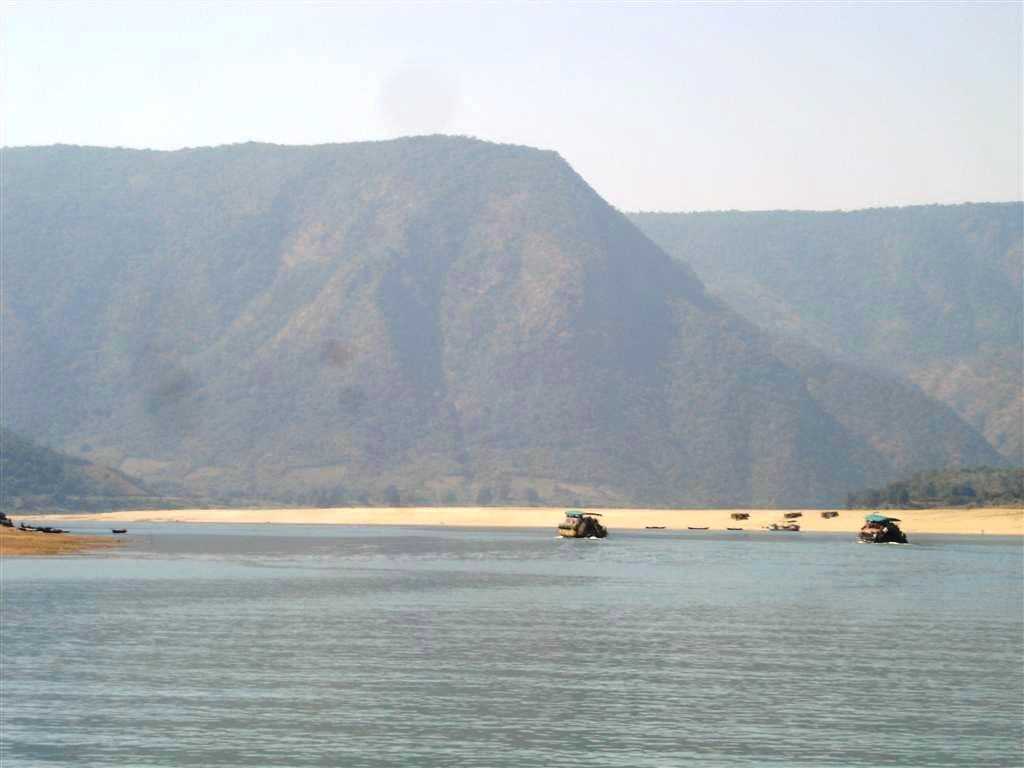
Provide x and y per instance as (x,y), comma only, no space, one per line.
(432,320)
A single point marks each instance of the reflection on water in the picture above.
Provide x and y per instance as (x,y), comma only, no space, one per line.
(339,646)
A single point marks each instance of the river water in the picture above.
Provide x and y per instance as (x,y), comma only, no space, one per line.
(220,645)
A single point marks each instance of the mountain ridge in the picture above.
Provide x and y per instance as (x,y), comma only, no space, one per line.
(434,315)
(930,292)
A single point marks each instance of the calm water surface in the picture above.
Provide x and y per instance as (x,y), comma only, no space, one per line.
(222,645)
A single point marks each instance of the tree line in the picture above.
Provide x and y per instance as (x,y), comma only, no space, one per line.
(980,486)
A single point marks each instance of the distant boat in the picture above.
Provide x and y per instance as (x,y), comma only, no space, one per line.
(655,527)
(119,530)
(734,529)
(695,528)
(828,515)
(41,528)
(783,527)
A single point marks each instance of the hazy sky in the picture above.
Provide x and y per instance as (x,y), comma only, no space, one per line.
(659,107)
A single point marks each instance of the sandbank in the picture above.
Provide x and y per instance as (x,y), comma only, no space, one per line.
(35,543)
(1000,521)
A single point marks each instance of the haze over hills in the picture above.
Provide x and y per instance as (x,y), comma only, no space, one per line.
(430,319)
(932,293)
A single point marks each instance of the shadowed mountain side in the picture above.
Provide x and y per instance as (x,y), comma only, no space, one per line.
(930,292)
(891,416)
(35,477)
(743,407)
(427,318)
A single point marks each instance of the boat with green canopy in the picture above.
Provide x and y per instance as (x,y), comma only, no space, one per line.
(881,529)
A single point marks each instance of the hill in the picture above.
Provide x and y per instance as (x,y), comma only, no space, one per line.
(34,476)
(932,293)
(427,320)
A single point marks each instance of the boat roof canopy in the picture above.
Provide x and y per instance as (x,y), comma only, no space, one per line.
(881,519)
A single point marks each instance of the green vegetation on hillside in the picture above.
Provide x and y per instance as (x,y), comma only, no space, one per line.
(33,476)
(28,469)
(981,486)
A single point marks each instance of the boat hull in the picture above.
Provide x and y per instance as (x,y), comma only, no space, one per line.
(585,527)
(878,537)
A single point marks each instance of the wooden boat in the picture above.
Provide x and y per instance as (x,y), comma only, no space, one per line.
(793,515)
(578,525)
(41,528)
(734,529)
(783,527)
(879,529)
(695,528)
(119,530)
(655,527)
(740,515)
(829,514)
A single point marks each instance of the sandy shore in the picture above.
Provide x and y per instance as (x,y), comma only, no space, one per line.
(33,543)
(992,520)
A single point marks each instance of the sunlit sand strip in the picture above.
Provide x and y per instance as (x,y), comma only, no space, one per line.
(990,520)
